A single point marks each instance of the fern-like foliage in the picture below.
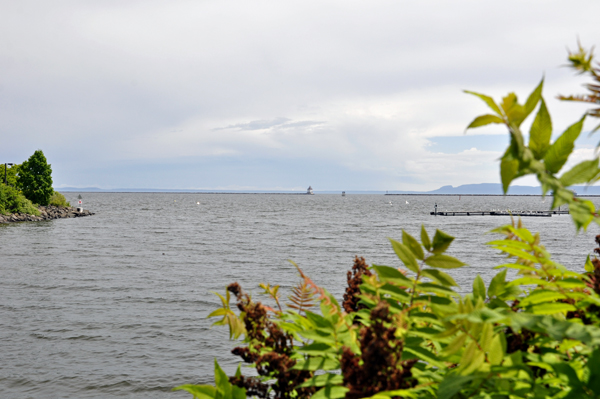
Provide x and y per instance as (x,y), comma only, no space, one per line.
(302,297)
(315,291)
(582,62)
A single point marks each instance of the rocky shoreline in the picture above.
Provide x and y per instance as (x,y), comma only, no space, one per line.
(46,213)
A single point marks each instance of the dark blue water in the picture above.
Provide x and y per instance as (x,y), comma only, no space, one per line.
(115,305)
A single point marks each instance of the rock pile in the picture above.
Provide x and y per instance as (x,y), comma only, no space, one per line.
(46,213)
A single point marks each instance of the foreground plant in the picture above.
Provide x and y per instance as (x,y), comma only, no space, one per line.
(407,332)
(540,157)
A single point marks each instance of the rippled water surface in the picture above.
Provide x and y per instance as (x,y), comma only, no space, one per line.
(115,305)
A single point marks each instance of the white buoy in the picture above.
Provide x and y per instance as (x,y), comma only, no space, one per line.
(198,203)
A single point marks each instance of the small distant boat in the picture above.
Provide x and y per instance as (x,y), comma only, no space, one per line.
(407,202)
(343,193)
(309,190)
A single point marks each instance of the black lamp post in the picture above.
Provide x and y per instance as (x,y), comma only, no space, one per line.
(5,169)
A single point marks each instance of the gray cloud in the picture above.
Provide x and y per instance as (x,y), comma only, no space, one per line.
(256,125)
(279,123)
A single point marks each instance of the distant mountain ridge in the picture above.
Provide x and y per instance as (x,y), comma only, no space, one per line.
(465,189)
(496,189)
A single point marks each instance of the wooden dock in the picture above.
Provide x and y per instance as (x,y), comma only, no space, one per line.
(501,213)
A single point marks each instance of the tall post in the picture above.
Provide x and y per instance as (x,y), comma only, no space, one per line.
(5,170)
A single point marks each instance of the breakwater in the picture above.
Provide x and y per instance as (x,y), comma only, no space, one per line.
(46,213)
(499,213)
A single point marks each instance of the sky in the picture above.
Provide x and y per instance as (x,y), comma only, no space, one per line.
(279,95)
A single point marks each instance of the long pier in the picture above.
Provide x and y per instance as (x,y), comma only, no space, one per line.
(500,213)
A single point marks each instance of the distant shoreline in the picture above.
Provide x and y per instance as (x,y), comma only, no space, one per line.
(483,189)
(317,193)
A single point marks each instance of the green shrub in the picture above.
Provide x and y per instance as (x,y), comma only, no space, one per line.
(12,201)
(58,199)
(407,333)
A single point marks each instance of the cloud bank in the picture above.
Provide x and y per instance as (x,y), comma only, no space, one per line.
(338,95)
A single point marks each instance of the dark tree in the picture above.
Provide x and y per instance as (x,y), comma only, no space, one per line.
(35,179)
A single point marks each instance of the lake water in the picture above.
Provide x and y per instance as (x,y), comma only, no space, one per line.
(115,305)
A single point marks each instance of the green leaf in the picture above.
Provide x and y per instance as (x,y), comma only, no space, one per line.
(425,355)
(565,369)
(334,392)
(222,382)
(317,320)
(510,243)
(479,288)
(405,255)
(238,392)
(559,151)
(497,350)
(509,168)
(219,312)
(523,234)
(589,266)
(540,132)
(199,391)
(456,345)
(488,100)
(316,349)
(439,277)
(508,102)
(402,393)
(515,113)
(539,296)
(452,384)
(484,120)
(583,172)
(497,284)
(552,308)
(444,262)
(436,289)
(323,380)
(441,242)
(594,379)
(319,336)
(317,363)
(425,238)
(396,293)
(517,143)
(413,244)
(533,98)
(570,283)
(518,253)
(389,274)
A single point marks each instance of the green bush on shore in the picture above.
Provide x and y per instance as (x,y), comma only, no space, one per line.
(58,199)
(12,201)
(29,183)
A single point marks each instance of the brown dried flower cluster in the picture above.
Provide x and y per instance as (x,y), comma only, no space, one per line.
(359,270)
(379,366)
(266,336)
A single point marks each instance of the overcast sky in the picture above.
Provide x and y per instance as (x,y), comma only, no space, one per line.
(340,95)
